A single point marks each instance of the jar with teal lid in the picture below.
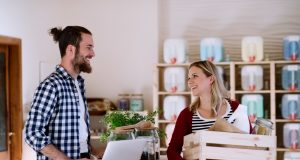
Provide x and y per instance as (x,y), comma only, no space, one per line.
(136,102)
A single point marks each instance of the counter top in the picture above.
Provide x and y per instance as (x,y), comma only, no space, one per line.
(163,157)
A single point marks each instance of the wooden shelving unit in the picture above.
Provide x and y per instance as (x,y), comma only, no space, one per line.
(271,92)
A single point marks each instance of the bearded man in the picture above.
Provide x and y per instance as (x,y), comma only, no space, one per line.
(57,126)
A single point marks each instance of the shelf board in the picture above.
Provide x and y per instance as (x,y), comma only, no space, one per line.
(265,91)
(287,62)
(286,91)
(166,121)
(222,63)
(174,93)
(95,137)
(228,63)
(254,63)
(188,64)
(250,92)
(172,65)
(287,121)
(267,62)
(287,150)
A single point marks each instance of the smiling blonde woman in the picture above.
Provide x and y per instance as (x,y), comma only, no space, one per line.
(212,101)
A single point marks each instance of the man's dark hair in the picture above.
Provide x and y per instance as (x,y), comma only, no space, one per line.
(68,35)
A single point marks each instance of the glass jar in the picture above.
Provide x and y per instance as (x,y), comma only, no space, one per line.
(151,150)
(263,127)
(117,135)
(123,102)
(136,102)
(227,58)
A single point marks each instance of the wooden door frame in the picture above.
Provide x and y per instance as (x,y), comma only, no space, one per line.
(14,102)
(4,50)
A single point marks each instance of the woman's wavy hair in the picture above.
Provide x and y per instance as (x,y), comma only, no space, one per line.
(218,90)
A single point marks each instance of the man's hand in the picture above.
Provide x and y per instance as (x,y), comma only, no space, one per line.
(53,153)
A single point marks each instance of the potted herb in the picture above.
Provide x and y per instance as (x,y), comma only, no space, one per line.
(116,119)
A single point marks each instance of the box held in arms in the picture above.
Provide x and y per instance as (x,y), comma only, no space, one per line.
(204,145)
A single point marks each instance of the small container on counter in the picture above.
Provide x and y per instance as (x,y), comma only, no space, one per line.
(263,127)
(136,102)
(123,101)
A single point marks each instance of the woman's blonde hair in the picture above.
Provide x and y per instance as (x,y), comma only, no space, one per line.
(218,90)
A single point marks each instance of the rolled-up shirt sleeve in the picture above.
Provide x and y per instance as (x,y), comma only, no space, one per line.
(40,114)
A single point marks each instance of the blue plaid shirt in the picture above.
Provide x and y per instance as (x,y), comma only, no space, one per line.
(54,115)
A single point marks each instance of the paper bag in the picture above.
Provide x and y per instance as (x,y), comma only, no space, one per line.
(222,125)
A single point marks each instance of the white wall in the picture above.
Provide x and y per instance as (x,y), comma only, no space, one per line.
(125,37)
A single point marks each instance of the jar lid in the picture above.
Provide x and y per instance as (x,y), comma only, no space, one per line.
(264,122)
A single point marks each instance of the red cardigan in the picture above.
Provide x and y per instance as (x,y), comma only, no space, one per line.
(184,127)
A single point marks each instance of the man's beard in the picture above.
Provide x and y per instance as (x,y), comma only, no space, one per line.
(80,64)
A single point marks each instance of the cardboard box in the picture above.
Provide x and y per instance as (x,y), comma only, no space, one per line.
(204,145)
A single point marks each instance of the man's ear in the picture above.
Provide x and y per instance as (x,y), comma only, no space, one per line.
(70,51)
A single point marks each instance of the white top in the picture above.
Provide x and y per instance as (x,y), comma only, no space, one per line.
(201,123)
(238,118)
(83,132)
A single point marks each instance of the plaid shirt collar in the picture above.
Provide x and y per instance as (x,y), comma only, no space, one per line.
(63,72)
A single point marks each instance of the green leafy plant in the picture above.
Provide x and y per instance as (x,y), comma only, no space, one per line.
(123,118)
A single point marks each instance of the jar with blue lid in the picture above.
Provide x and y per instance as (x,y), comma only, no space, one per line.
(136,102)
(123,102)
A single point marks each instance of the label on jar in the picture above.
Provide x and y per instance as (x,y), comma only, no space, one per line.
(123,104)
(136,105)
